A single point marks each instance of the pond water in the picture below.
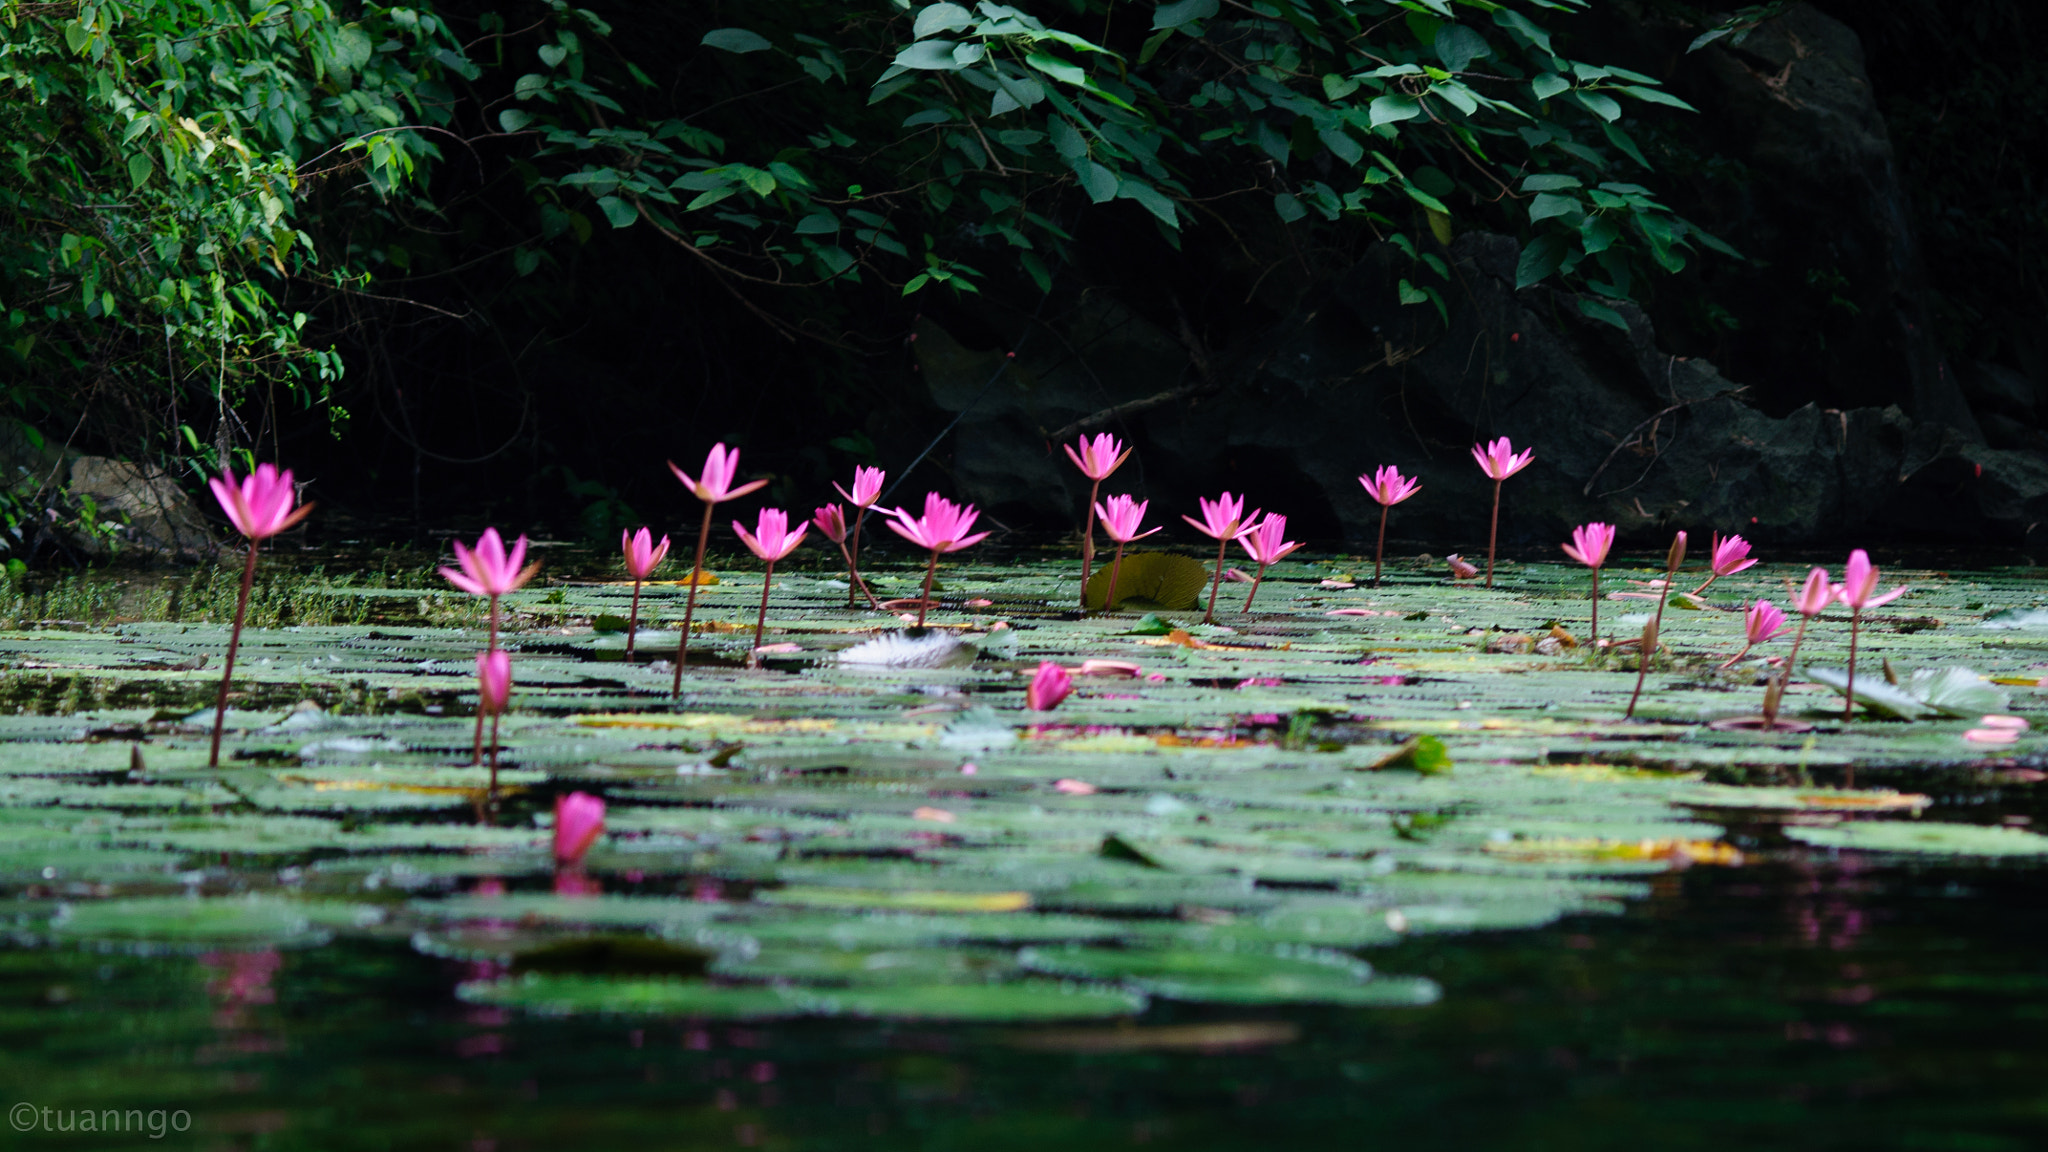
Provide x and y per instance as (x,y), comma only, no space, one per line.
(1362,866)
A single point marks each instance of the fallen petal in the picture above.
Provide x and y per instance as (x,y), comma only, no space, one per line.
(1071,788)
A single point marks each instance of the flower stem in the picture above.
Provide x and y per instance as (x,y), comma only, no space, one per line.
(476,748)
(1115,569)
(1849,704)
(1088,541)
(220,704)
(633,620)
(1255,589)
(924,601)
(494,756)
(761,621)
(1492,533)
(1594,639)
(1650,638)
(1785,679)
(690,605)
(1222,543)
(853,563)
(1730,662)
(1381,549)
(1711,577)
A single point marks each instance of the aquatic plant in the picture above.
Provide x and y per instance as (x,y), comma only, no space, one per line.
(1763,622)
(1859,591)
(1813,599)
(1589,546)
(1499,461)
(1223,520)
(260,506)
(1389,487)
(1121,519)
(1096,459)
(493,693)
(1049,685)
(944,527)
(770,540)
(489,570)
(1728,556)
(642,554)
(867,488)
(831,521)
(1267,544)
(713,486)
(1673,558)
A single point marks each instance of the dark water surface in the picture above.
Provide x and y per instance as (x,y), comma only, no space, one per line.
(1836,1003)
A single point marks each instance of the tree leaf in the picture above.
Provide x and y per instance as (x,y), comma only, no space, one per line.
(1183,12)
(735,40)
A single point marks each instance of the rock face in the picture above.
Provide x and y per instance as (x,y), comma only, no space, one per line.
(157,517)
(1623,432)
(141,510)
(1895,444)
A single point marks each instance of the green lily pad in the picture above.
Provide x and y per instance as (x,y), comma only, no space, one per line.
(1924,837)
(1155,581)
(176,923)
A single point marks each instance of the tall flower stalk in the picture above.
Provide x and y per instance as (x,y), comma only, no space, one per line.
(944,527)
(867,488)
(1121,519)
(830,519)
(1388,487)
(1266,544)
(1590,545)
(770,540)
(1499,461)
(259,506)
(489,570)
(1672,560)
(1223,520)
(714,487)
(1859,591)
(1097,458)
(642,554)
(1812,599)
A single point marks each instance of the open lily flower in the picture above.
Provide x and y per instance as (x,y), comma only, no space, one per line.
(1729,556)
(867,487)
(944,527)
(1590,545)
(642,553)
(1859,591)
(1121,518)
(771,539)
(259,505)
(714,484)
(1498,460)
(1388,487)
(1096,457)
(489,569)
(1268,545)
(1223,520)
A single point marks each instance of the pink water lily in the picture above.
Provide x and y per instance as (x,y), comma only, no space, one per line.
(489,569)
(1812,599)
(642,555)
(1762,623)
(1223,520)
(1388,487)
(1729,556)
(944,527)
(830,519)
(1499,461)
(494,692)
(1268,544)
(713,485)
(579,821)
(1859,591)
(1097,458)
(259,506)
(771,540)
(1590,545)
(867,488)
(1049,685)
(1121,519)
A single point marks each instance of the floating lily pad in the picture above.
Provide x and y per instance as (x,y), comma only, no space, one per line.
(177,923)
(1150,581)
(1925,837)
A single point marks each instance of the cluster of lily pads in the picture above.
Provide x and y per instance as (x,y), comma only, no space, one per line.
(876,822)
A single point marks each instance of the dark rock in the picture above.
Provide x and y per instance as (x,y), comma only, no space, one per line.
(155,516)
(1996,388)
(1623,431)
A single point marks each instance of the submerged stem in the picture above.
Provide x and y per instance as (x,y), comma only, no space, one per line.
(220,704)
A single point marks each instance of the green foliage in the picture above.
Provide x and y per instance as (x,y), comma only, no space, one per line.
(178,182)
